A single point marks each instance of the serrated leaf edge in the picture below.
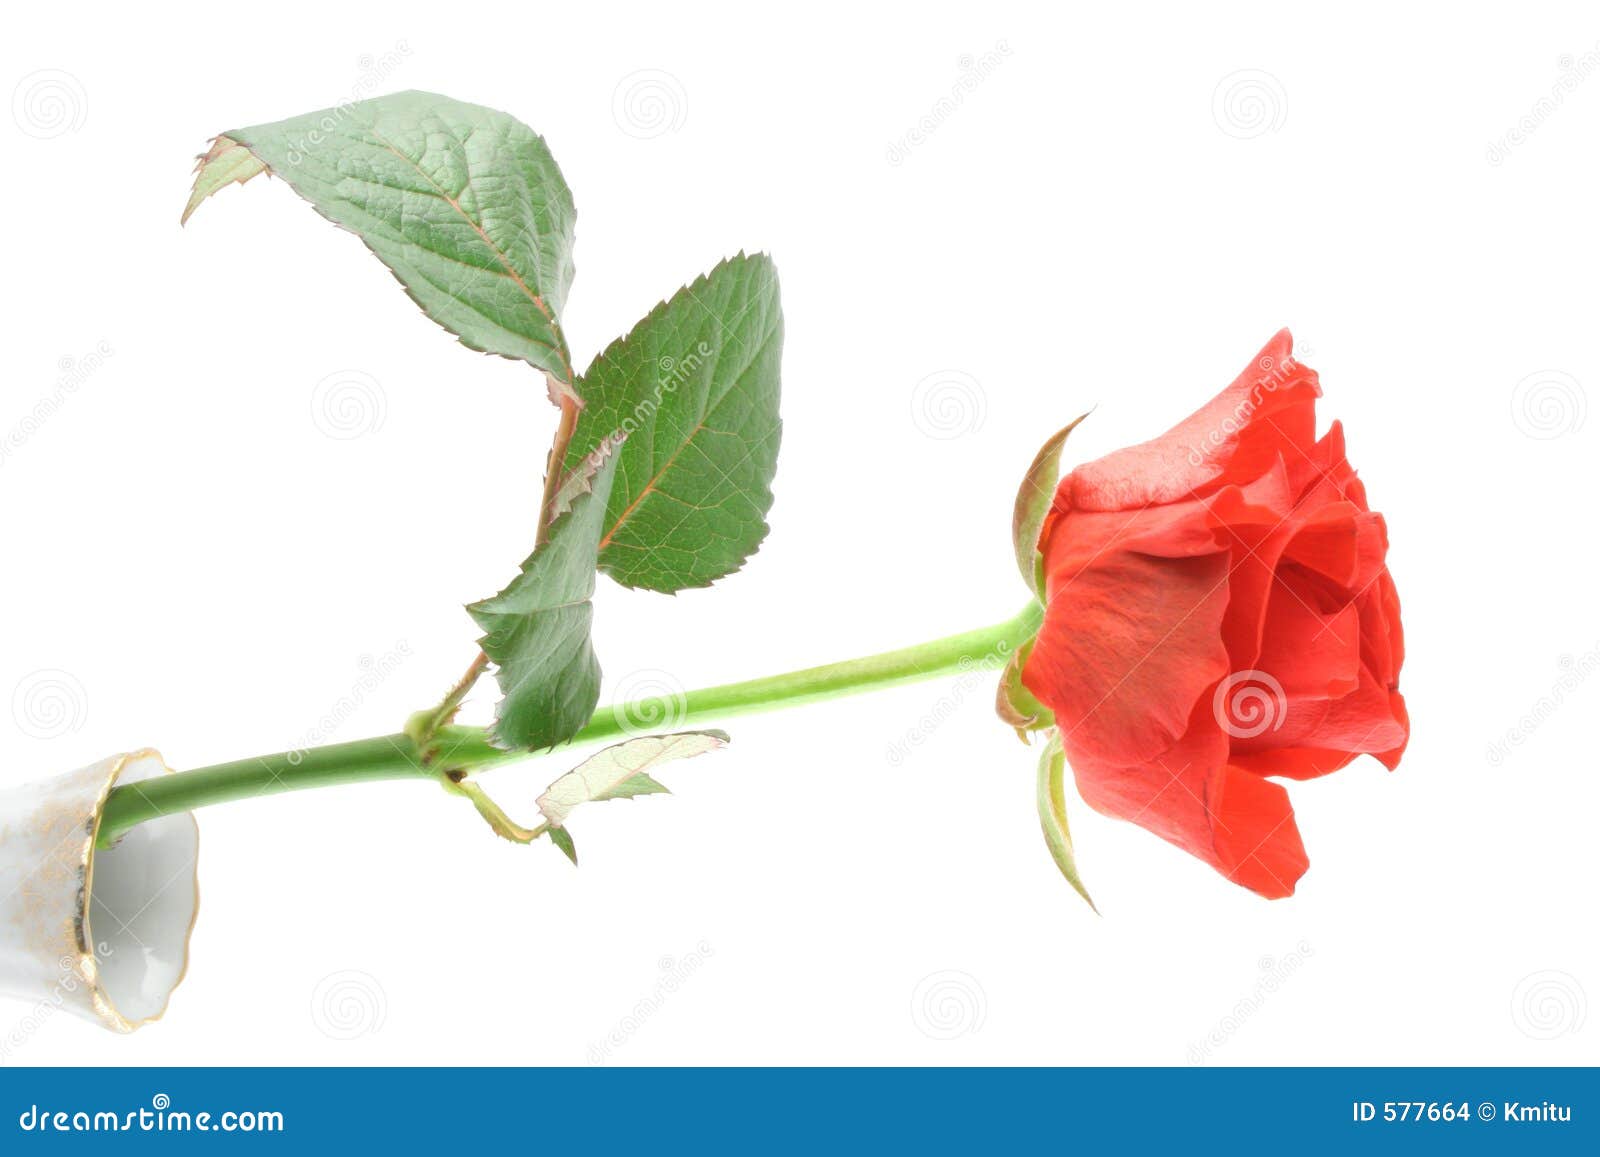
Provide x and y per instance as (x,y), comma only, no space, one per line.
(557,813)
(196,198)
(615,349)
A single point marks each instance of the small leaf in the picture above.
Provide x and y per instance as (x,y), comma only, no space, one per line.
(559,392)
(465,205)
(227,162)
(694,387)
(1033,503)
(562,839)
(537,629)
(620,771)
(1053,814)
(640,784)
(580,479)
(1015,703)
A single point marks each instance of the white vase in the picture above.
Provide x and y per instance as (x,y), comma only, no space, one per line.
(100,933)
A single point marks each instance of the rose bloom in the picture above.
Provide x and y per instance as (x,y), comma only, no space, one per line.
(1218,612)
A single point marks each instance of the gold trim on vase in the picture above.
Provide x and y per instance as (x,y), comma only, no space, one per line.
(48,950)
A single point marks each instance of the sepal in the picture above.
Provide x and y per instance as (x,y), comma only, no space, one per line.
(1053,814)
(1032,503)
(1014,703)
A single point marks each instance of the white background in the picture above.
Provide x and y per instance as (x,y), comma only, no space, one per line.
(1114,215)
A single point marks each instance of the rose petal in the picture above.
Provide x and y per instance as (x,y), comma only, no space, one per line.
(1268,411)
(1127,647)
(1251,521)
(1402,717)
(1309,653)
(1190,796)
(1164,794)
(1257,841)
(1362,721)
(1342,542)
(1293,762)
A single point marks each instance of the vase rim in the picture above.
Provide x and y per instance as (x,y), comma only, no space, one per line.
(88,963)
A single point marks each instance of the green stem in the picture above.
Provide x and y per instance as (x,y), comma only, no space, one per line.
(467,749)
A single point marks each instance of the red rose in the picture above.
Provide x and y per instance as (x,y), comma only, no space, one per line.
(1218,611)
